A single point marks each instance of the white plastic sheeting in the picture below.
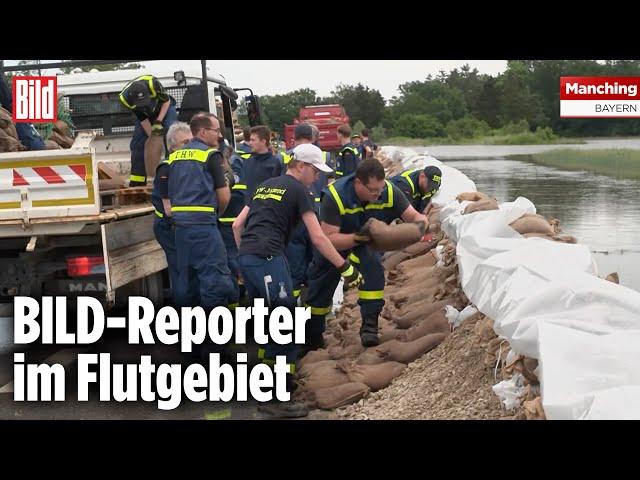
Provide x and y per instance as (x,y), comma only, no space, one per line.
(545,298)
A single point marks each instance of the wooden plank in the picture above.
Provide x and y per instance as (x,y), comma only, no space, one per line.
(128,232)
(135,262)
(122,212)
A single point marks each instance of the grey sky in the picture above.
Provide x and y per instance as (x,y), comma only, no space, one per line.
(269,77)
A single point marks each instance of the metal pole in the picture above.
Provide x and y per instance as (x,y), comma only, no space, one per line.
(205,85)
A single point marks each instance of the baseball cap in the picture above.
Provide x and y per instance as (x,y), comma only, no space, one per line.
(303,130)
(309,153)
(139,94)
(355,135)
(434,174)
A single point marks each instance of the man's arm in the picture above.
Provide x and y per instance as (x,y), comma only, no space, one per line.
(341,241)
(146,126)
(163,186)
(412,215)
(320,240)
(238,224)
(163,111)
(216,168)
(330,223)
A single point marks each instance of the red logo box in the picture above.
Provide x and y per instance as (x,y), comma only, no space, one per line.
(35,99)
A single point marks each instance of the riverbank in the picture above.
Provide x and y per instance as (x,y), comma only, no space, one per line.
(614,162)
(528,138)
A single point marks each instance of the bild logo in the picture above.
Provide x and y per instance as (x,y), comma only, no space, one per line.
(35,99)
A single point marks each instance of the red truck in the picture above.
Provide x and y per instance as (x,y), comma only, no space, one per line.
(326,117)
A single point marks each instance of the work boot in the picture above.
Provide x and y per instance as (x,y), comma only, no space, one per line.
(369,331)
(280,409)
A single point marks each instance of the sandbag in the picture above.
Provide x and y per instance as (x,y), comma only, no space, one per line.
(533,409)
(434,217)
(371,356)
(309,368)
(9,144)
(394,260)
(62,140)
(7,124)
(62,128)
(339,352)
(481,206)
(532,224)
(314,356)
(394,237)
(323,378)
(153,150)
(565,239)
(388,333)
(419,248)
(437,322)
(423,261)
(471,196)
(6,118)
(422,311)
(375,377)
(51,145)
(334,397)
(613,277)
(407,352)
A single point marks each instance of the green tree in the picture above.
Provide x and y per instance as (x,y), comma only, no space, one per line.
(358,127)
(418,126)
(467,127)
(281,109)
(431,97)
(361,103)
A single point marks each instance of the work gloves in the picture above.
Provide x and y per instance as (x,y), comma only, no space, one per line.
(352,277)
(157,129)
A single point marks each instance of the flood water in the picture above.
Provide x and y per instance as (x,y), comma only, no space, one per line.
(601,212)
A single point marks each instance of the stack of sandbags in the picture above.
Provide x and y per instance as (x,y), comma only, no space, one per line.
(60,135)
(412,323)
(9,141)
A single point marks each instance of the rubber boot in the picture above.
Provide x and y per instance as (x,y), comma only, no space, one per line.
(369,331)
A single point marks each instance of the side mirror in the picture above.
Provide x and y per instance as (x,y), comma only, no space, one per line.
(253,110)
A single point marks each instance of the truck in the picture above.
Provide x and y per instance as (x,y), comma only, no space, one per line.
(326,117)
(60,233)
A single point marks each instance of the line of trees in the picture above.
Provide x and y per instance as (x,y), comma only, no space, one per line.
(464,103)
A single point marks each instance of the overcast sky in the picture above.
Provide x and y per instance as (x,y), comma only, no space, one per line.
(269,77)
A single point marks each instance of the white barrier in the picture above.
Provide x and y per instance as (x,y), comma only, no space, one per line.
(545,298)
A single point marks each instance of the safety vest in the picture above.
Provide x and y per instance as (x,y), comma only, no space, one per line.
(418,200)
(353,214)
(242,154)
(156,199)
(144,78)
(191,188)
(341,168)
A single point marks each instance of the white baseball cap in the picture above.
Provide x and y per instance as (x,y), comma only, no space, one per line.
(309,153)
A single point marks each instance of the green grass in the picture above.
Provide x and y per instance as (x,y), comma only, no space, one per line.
(618,163)
(526,138)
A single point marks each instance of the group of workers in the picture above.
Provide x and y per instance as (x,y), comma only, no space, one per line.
(242,224)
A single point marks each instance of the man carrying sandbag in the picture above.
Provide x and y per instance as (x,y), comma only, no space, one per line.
(262,231)
(419,185)
(346,206)
(155,111)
